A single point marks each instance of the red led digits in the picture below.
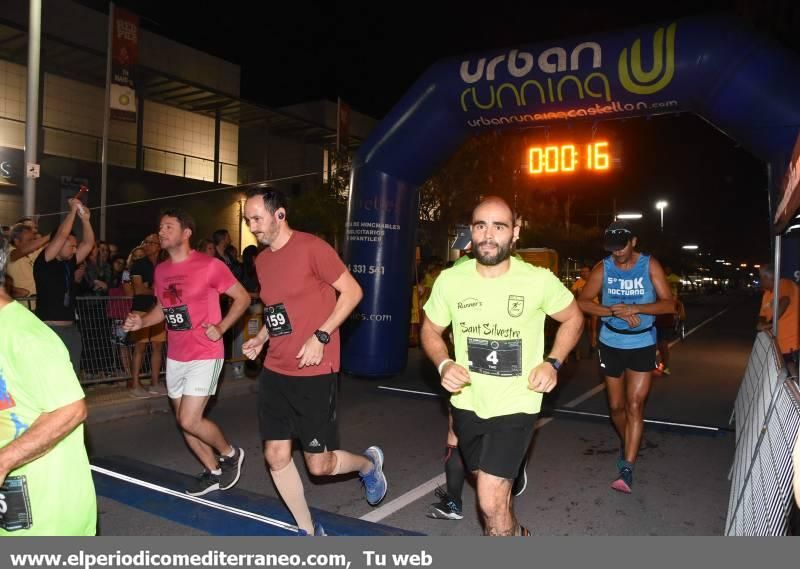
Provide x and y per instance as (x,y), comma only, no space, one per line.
(569,158)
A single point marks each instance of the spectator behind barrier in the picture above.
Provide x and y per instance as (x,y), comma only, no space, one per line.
(54,271)
(142,271)
(206,246)
(25,248)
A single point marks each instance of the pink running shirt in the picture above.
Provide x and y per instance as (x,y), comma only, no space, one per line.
(192,287)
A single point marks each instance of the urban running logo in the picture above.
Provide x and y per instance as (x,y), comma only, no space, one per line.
(518,79)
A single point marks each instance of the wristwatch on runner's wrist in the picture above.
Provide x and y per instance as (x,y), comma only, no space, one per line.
(323,337)
(553,362)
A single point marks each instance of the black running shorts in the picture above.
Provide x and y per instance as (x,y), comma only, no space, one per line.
(614,361)
(495,446)
(298,407)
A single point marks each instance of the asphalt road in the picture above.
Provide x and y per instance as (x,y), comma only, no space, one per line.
(681,485)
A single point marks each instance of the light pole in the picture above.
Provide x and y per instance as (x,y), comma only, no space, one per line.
(660,206)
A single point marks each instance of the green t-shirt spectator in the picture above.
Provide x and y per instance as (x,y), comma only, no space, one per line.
(498,329)
(36,377)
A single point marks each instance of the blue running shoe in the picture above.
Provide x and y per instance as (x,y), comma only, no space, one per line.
(375,484)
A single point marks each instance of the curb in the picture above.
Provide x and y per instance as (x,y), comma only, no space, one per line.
(124,406)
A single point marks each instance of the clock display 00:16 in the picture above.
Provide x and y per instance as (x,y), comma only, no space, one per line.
(568,158)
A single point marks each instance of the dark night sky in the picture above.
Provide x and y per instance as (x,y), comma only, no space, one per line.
(371,53)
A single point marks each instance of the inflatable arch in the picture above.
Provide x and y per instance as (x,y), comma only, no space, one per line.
(713,67)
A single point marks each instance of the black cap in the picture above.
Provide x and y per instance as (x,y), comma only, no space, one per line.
(617,236)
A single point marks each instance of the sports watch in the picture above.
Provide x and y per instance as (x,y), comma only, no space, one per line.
(323,337)
(553,362)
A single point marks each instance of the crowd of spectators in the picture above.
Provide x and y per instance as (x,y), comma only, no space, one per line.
(111,283)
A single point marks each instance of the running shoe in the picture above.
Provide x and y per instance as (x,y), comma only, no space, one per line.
(446,508)
(521,481)
(157,389)
(666,371)
(625,481)
(139,393)
(524,532)
(318,531)
(375,484)
(205,483)
(231,467)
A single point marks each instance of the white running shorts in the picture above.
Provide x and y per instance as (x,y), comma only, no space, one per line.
(198,378)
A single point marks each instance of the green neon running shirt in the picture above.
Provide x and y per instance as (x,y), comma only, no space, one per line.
(36,377)
(498,329)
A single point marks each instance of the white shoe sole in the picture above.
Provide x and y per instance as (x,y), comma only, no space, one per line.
(379,467)
(205,491)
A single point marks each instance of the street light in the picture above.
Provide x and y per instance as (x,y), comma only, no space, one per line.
(660,206)
(690,247)
(629,215)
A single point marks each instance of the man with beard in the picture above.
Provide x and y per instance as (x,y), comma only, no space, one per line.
(497,306)
(187,288)
(634,290)
(300,276)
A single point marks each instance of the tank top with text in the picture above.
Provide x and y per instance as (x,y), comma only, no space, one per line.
(631,286)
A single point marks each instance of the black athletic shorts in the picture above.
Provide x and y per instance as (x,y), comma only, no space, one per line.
(614,361)
(298,407)
(495,446)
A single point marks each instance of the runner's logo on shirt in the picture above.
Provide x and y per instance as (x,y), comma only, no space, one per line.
(516,305)
(468,303)
(173,294)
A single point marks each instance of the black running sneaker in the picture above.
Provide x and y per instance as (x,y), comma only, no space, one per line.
(205,483)
(231,467)
(446,508)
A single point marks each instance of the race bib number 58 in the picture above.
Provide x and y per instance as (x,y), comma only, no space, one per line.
(177,318)
(502,358)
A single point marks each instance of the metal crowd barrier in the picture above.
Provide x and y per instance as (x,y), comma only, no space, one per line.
(107,353)
(767,414)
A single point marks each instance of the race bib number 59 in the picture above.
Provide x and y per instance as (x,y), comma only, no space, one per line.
(277,320)
(502,358)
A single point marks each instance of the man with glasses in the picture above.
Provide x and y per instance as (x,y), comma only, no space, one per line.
(142,271)
(634,290)
(54,273)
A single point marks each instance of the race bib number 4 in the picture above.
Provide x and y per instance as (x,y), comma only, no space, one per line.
(177,318)
(276,320)
(15,504)
(502,358)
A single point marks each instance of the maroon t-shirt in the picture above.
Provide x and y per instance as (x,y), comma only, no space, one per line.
(299,276)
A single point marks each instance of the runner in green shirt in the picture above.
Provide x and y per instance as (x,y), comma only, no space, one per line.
(45,483)
(497,307)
